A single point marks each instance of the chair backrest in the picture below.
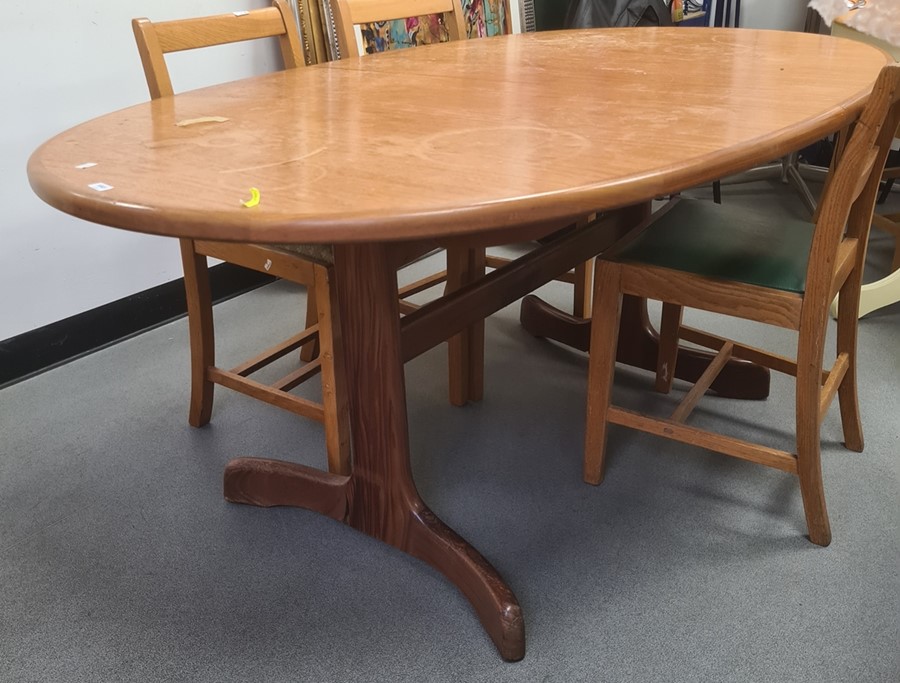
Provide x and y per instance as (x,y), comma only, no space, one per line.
(350,13)
(848,201)
(155,40)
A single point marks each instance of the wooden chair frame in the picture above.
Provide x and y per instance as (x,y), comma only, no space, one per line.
(350,13)
(311,267)
(835,267)
(890,223)
(317,341)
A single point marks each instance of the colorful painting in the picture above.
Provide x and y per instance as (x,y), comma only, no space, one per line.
(379,36)
(482,18)
(486,17)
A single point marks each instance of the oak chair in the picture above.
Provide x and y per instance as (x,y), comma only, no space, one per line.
(890,223)
(308,266)
(782,273)
(351,13)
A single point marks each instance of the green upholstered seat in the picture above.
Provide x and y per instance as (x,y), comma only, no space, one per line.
(725,242)
(317,253)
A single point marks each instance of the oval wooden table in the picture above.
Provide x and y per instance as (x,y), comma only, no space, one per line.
(473,143)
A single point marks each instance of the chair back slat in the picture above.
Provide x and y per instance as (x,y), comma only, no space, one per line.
(849,197)
(350,13)
(364,11)
(188,34)
(155,40)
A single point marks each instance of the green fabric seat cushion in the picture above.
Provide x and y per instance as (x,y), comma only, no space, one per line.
(725,242)
(318,253)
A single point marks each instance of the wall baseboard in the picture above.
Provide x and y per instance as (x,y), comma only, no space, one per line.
(37,351)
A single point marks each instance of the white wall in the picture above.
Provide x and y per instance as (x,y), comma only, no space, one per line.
(65,63)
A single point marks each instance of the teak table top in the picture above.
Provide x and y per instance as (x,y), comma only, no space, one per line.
(453,139)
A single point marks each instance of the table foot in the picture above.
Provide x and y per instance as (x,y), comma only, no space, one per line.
(639,344)
(414,529)
(501,616)
(267,483)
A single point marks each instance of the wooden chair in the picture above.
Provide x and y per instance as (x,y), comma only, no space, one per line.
(783,273)
(890,223)
(351,13)
(308,265)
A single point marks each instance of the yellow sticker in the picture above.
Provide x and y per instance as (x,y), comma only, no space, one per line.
(254,198)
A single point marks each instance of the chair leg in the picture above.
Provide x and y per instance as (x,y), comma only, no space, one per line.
(847,325)
(200,330)
(334,385)
(581,304)
(311,348)
(894,228)
(885,191)
(809,464)
(466,349)
(601,367)
(668,346)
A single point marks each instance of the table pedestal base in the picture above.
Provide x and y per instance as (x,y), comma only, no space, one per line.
(414,529)
(378,496)
(638,345)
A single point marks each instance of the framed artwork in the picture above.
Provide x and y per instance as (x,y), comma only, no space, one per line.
(483,18)
(379,36)
(319,40)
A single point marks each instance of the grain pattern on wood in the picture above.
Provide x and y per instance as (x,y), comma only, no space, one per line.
(479,299)
(382,497)
(493,129)
(676,431)
(267,483)
(690,400)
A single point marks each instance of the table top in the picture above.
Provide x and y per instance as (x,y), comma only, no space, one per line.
(457,139)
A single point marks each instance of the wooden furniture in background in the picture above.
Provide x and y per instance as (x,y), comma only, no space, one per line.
(737,263)
(308,265)
(350,13)
(492,108)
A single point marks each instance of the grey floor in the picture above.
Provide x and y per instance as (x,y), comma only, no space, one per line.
(120,561)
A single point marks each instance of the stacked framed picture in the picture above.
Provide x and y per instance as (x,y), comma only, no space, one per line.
(483,18)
